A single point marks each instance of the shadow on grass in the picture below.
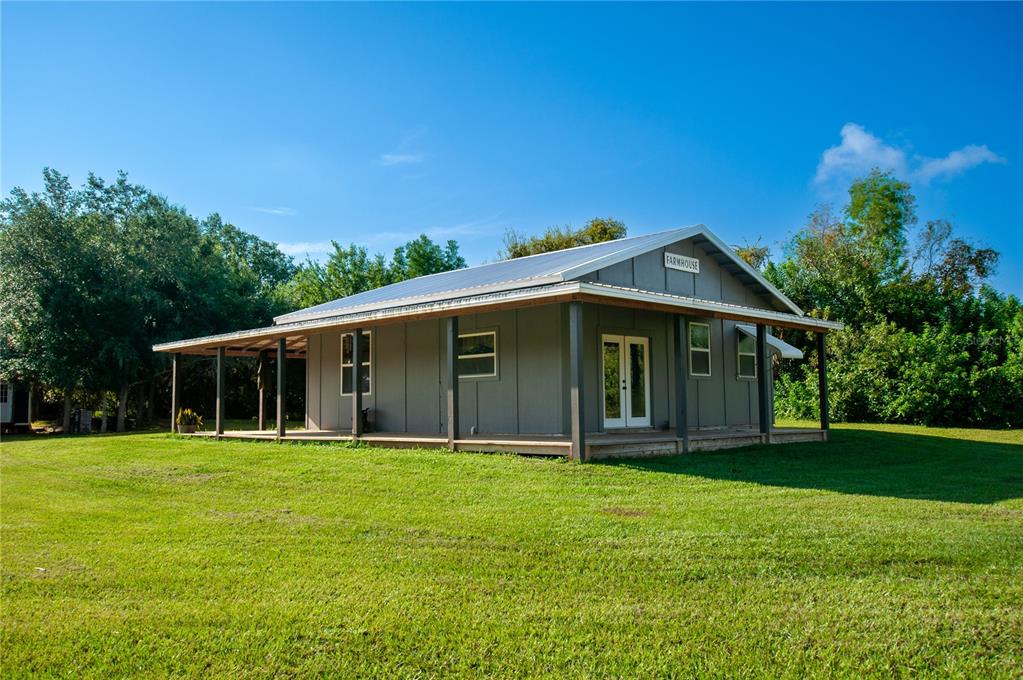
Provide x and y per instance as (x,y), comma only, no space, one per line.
(869,462)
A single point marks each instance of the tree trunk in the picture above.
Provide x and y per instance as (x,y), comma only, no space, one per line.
(141,409)
(103,423)
(150,400)
(66,425)
(122,406)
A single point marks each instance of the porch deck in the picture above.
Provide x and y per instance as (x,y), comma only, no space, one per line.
(598,445)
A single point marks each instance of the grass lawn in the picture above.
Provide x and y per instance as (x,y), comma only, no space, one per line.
(889,551)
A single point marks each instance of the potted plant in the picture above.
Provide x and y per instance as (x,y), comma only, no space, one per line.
(188,421)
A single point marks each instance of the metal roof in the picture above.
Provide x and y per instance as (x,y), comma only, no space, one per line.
(253,340)
(534,270)
(784,349)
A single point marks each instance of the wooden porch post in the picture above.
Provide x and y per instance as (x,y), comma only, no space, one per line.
(282,370)
(577,412)
(681,383)
(357,341)
(221,354)
(281,387)
(261,384)
(822,380)
(763,382)
(452,364)
(175,388)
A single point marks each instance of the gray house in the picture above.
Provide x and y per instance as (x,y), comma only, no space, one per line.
(646,345)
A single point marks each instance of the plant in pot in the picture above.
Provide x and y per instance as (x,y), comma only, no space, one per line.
(188,421)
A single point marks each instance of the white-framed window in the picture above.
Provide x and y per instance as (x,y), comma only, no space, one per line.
(747,353)
(5,393)
(366,362)
(699,349)
(477,354)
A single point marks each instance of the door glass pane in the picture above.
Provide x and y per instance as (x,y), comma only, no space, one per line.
(612,389)
(637,380)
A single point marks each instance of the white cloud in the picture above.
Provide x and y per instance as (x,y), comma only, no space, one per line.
(276,211)
(860,152)
(956,163)
(388,159)
(306,248)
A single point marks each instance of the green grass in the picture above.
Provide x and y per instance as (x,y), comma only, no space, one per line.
(889,551)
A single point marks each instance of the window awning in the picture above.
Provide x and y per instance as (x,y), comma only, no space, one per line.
(782,348)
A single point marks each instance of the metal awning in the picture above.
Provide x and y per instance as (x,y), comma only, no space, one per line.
(777,345)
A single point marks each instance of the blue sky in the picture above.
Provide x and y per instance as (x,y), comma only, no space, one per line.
(373,123)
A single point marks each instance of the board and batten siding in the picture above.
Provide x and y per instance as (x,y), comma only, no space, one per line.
(409,382)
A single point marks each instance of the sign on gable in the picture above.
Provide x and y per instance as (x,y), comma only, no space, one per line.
(682,263)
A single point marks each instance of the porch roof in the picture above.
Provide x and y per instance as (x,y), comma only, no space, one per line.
(251,342)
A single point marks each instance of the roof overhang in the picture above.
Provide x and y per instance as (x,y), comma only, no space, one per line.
(777,345)
(252,342)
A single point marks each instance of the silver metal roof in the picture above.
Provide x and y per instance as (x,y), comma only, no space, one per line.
(255,339)
(784,349)
(534,270)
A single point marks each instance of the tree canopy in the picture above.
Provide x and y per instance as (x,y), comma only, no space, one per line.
(351,269)
(927,340)
(597,230)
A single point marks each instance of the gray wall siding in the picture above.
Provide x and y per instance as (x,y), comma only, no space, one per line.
(409,380)
(422,376)
(530,393)
(718,401)
(647,272)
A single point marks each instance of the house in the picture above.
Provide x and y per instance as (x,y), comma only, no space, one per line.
(15,407)
(644,345)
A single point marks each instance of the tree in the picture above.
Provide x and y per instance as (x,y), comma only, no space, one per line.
(421,257)
(92,278)
(926,341)
(753,254)
(351,270)
(597,230)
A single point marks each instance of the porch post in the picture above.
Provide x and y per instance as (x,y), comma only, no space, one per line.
(452,362)
(764,382)
(822,380)
(261,383)
(575,371)
(175,388)
(681,383)
(357,341)
(282,370)
(221,354)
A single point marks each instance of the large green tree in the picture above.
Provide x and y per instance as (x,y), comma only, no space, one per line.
(93,277)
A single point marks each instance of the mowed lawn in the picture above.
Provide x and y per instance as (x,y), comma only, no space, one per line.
(889,551)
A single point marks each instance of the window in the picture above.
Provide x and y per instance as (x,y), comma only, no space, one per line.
(699,349)
(477,355)
(5,395)
(747,356)
(365,361)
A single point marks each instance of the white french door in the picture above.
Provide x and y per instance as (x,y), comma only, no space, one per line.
(625,362)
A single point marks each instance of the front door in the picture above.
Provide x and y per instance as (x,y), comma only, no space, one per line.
(626,367)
